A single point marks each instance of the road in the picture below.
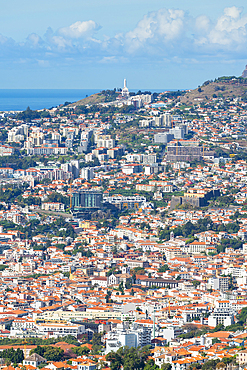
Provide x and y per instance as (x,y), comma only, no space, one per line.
(58,214)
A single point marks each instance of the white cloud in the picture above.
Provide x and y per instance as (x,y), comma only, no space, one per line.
(60,42)
(79,30)
(43,63)
(173,32)
(34,40)
(107,60)
(230,28)
(165,25)
(113,59)
(202,23)
(166,34)
(3,39)
(228,33)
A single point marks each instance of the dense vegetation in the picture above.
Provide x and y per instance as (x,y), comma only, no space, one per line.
(13,356)
(70,339)
(49,353)
(189,229)
(28,115)
(129,358)
(16,162)
(58,198)
(9,194)
(59,228)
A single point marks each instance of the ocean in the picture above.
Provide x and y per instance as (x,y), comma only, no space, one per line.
(20,99)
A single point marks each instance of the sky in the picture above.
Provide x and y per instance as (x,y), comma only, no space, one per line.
(95,44)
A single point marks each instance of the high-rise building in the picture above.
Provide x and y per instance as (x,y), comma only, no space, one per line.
(178,132)
(163,137)
(167,119)
(177,152)
(86,200)
(73,166)
(87,173)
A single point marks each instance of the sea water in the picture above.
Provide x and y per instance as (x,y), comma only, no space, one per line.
(20,99)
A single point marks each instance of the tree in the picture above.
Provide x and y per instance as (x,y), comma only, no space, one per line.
(58,198)
(115,360)
(150,365)
(128,284)
(70,339)
(210,364)
(121,287)
(130,358)
(196,283)
(96,339)
(216,340)
(228,360)
(220,366)
(163,268)
(54,354)
(166,366)
(242,316)
(96,343)
(81,351)
(14,356)
(50,353)
(219,327)
(108,296)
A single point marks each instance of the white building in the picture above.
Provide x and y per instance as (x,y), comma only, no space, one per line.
(136,336)
(52,206)
(125,90)
(87,173)
(171,332)
(60,330)
(223,314)
(218,283)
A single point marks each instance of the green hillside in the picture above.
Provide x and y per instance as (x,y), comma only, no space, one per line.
(223,87)
(102,97)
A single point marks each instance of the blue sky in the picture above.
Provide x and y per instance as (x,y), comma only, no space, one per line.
(159,44)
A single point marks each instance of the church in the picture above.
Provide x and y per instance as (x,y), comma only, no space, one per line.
(125,90)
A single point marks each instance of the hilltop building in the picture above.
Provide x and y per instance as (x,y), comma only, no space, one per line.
(195,197)
(125,91)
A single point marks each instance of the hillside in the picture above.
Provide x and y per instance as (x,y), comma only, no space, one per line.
(102,97)
(223,87)
(92,99)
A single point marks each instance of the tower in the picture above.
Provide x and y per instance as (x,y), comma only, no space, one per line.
(125,91)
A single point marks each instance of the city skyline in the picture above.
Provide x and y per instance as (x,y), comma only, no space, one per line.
(168,45)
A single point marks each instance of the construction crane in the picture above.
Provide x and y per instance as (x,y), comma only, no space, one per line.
(70,182)
(25,342)
(154,324)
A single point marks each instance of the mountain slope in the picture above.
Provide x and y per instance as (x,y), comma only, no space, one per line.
(223,87)
(102,97)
